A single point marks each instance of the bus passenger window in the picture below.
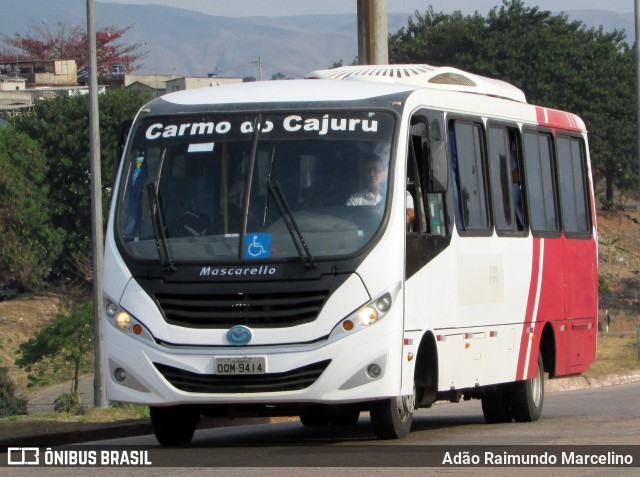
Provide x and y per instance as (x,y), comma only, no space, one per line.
(576,217)
(469,177)
(428,207)
(516,179)
(506,184)
(540,183)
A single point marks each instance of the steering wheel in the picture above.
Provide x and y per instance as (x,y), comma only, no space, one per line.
(187,224)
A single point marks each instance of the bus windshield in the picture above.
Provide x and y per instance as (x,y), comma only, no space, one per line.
(225,187)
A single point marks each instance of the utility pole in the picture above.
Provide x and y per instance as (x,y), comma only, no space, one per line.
(99,393)
(373,41)
(259,65)
(637,12)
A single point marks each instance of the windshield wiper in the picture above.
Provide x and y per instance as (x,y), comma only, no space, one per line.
(158,229)
(290,222)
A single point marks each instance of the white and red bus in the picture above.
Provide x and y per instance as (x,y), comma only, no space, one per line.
(369,239)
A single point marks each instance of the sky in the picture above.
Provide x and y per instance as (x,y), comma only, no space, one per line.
(314,7)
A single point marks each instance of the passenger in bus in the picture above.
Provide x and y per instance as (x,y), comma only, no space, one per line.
(516,186)
(376,177)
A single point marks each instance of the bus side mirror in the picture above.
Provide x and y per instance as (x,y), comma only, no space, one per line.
(438,167)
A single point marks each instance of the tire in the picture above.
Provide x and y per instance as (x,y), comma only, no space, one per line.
(341,419)
(527,397)
(495,405)
(314,420)
(175,425)
(391,418)
(345,419)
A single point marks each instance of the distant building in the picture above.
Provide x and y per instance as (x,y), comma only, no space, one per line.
(154,83)
(28,81)
(180,84)
(45,72)
(12,84)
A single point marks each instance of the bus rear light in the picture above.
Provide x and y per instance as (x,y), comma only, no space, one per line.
(137,329)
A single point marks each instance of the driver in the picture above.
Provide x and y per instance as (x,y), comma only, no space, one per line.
(376,178)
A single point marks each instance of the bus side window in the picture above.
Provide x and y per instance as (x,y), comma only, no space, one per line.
(540,184)
(506,185)
(574,198)
(429,207)
(467,161)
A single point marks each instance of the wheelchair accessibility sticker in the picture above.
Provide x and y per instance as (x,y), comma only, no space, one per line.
(257,246)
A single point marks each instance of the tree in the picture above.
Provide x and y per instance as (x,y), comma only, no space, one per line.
(557,63)
(64,42)
(67,340)
(60,125)
(29,241)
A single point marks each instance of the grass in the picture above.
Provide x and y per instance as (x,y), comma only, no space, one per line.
(94,419)
(617,354)
(110,414)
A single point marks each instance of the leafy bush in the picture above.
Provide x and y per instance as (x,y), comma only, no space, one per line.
(10,405)
(603,286)
(67,402)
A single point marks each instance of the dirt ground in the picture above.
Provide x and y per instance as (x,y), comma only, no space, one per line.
(619,267)
(20,319)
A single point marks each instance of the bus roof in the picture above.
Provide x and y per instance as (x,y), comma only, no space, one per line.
(285,91)
(425,76)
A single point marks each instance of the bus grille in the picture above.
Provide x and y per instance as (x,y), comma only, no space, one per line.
(277,309)
(293,380)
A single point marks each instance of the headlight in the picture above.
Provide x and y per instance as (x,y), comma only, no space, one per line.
(368,314)
(123,321)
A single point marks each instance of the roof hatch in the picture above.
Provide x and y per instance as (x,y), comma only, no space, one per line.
(425,76)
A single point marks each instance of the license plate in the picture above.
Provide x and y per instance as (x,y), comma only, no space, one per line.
(239,366)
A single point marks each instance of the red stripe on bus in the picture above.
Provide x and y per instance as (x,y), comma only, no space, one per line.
(556,119)
(531,301)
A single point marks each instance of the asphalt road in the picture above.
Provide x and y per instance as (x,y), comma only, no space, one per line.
(43,402)
(597,416)
(588,417)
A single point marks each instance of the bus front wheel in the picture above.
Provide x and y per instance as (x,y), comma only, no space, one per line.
(391,418)
(174,425)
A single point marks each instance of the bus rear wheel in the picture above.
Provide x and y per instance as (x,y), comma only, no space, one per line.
(174,425)
(527,397)
(391,418)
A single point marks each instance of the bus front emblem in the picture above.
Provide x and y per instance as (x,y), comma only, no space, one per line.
(239,335)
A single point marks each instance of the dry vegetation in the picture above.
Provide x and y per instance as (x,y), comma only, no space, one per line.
(619,269)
